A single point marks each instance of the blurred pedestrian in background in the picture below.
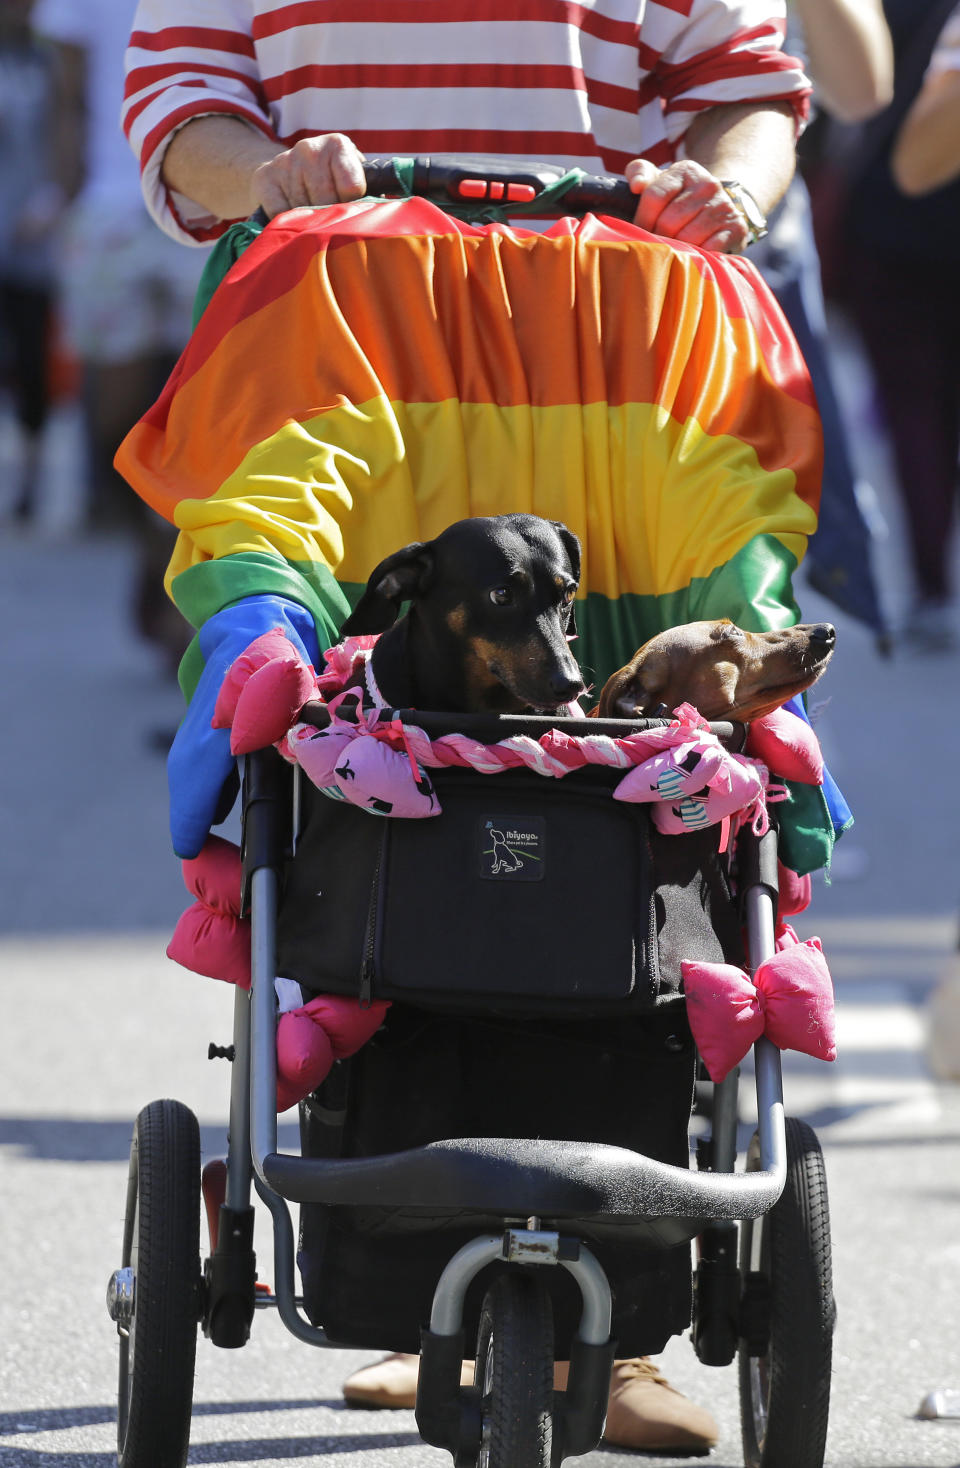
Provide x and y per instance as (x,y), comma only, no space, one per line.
(33,191)
(926,158)
(894,246)
(926,151)
(127,290)
(849,57)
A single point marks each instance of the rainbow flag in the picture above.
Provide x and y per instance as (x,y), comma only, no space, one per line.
(367,373)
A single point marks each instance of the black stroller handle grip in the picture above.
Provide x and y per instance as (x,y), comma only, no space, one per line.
(497,181)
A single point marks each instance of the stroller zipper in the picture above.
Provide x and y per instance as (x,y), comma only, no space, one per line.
(368,967)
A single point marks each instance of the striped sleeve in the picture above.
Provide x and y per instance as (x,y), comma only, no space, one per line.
(708,53)
(187,59)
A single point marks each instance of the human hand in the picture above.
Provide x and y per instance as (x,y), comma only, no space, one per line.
(326,169)
(201,771)
(685,202)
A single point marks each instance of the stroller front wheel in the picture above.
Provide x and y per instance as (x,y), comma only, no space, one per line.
(786,1351)
(160,1284)
(515,1373)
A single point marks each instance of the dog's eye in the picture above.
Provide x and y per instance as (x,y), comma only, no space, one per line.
(501,596)
(569,594)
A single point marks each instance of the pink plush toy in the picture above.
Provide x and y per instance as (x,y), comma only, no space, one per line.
(694,785)
(311,1037)
(263,692)
(787,745)
(355,766)
(790,1001)
(212,938)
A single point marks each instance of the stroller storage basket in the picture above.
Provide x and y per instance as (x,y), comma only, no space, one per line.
(526,893)
(369,1272)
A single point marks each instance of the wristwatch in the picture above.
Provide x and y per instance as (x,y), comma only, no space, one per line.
(744,201)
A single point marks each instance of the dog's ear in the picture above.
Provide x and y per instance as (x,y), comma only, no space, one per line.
(642,694)
(401,577)
(572,547)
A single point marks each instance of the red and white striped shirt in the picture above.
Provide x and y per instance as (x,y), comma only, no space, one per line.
(586,83)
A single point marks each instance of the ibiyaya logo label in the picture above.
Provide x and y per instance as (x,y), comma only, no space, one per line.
(513,849)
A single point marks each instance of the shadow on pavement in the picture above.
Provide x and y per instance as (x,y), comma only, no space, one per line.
(65,1139)
(250,1450)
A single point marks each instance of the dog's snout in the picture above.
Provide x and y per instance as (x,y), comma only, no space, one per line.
(564,687)
(824,633)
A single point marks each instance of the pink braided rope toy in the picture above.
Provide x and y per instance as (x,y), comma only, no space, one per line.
(681,768)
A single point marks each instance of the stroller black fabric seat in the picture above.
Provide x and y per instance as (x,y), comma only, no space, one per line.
(527,894)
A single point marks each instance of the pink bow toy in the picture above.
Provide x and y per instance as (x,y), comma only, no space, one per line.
(349,764)
(790,1001)
(696,784)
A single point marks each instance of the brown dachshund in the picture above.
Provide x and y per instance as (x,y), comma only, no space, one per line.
(724,672)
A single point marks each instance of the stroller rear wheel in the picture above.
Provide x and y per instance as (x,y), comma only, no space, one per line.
(785,1353)
(161,1265)
(515,1373)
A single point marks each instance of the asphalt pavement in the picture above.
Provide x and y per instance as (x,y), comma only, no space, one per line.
(96,1022)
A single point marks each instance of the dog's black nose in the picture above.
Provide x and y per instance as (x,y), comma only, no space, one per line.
(824,633)
(565,689)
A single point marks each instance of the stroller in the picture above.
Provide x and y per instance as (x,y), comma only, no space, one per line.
(503,1172)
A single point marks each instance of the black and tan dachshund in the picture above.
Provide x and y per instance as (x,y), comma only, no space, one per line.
(489,621)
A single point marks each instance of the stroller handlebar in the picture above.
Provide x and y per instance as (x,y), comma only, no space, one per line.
(495,181)
(498,181)
(489,728)
(499,1176)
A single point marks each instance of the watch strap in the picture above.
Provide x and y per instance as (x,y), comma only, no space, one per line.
(744,201)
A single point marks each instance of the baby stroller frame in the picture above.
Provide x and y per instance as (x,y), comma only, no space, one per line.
(762,1285)
(773,1308)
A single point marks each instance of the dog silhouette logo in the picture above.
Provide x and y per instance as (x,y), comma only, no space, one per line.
(512,850)
(504,860)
